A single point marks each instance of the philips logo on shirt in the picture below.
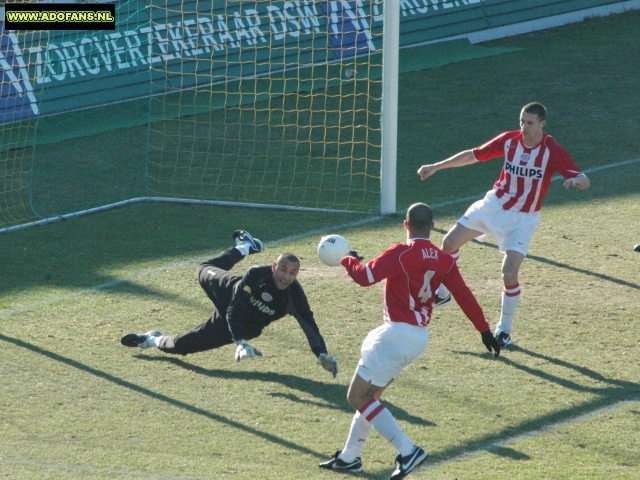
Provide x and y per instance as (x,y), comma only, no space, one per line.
(521,171)
(261,306)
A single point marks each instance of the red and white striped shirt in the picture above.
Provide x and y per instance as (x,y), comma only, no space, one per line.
(527,172)
(413,272)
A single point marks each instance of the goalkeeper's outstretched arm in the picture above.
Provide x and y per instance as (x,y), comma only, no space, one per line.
(300,310)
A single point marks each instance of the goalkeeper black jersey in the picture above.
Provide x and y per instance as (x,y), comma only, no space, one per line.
(254,301)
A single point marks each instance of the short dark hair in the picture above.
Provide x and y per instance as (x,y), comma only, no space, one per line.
(537,109)
(289,256)
(419,216)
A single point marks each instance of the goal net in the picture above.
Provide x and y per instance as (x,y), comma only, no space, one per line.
(270,103)
(260,102)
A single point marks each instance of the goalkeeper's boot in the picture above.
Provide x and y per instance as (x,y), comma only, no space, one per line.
(405,465)
(442,301)
(242,236)
(503,338)
(142,340)
(636,248)
(341,466)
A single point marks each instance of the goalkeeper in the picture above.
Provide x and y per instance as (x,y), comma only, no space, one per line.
(244,305)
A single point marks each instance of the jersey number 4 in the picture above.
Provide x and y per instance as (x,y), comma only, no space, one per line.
(425,291)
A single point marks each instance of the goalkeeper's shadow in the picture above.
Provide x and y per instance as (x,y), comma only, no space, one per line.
(331,396)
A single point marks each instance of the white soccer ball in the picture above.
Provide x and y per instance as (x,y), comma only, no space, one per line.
(332,248)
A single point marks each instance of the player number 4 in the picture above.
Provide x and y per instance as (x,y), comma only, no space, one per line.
(425,291)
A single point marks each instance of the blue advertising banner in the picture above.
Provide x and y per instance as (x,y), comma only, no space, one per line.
(348,28)
(17,99)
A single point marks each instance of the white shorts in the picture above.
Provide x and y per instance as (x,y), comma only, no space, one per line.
(388,349)
(512,230)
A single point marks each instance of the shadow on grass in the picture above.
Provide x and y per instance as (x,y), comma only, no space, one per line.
(161,397)
(615,392)
(75,254)
(337,391)
(333,396)
(618,385)
(563,266)
(509,453)
(587,372)
(124,286)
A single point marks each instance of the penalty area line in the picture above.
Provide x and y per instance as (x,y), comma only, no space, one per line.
(491,447)
(109,471)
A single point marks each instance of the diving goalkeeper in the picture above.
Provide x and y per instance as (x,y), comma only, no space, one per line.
(244,305)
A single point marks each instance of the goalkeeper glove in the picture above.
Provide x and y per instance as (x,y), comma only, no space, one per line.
(244,350)
(490,342)
(329,363)
(353,253)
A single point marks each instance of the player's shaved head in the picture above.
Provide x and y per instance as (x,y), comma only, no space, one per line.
(420,217)
(285,270)
(289,256)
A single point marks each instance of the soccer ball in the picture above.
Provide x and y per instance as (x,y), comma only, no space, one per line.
(332,248)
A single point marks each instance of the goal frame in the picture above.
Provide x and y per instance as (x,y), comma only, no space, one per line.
(388,144)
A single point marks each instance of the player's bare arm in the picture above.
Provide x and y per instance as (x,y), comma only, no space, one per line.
(460,159)
(580,182)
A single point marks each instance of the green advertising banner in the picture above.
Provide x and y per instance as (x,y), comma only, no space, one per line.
(158,47)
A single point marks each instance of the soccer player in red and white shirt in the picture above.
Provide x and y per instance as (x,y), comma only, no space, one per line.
(511,210)
(412,272)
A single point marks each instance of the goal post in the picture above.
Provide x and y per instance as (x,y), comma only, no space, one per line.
(390,68)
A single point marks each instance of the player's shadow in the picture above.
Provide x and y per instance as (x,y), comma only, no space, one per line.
(508,453)
(613,392)
(612,389)
(162,397)
(267,436)
(323,395)
(614,385)
(563,266)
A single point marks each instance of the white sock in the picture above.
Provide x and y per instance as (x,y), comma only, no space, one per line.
(443,291)
(510,299)
(243,248)
(154,341)
(358,434)
(386,425)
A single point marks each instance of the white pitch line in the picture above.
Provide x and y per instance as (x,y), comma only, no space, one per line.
(12,311)
(429,466)
(612,165)
(603,167)
(98,470)
(555,178)
(150,271)
(534,433)
(102,286)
